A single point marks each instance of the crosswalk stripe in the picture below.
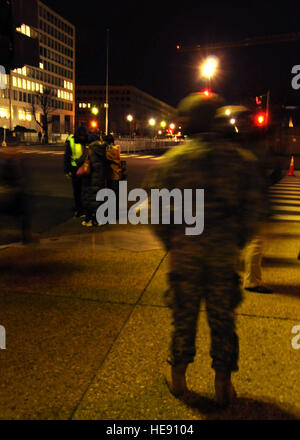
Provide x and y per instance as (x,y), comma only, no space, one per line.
(285,199)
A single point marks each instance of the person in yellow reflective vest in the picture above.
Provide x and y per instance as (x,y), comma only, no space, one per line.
(74,149)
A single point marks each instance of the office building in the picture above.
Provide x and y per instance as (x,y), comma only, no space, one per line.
(123,101)
(55,77)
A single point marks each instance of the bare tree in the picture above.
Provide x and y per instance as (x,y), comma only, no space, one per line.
(43,101)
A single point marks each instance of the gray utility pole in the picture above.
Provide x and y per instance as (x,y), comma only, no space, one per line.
(107,97)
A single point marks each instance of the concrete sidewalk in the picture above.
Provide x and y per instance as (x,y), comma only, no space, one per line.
(87,331)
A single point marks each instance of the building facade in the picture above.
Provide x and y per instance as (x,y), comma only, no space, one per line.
(130,110)
(53,82)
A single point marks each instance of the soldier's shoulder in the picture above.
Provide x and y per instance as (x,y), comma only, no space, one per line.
(246,155)
(188,151)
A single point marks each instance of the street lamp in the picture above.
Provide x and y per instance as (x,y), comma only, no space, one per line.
(130,119)
(95,111)
(152,123)
(209,67)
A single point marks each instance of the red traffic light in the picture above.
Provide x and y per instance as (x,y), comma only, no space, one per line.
(258,100)
(206,92)
(94,124)
(261,119)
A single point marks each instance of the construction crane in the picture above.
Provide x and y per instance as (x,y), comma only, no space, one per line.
(255,41)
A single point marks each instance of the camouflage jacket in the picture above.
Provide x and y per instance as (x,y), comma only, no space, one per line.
(234,197)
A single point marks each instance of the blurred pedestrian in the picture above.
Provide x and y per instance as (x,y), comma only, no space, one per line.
(204,267)
(14,192)
(115,167)
(253,138)
(94,180)
(74,149)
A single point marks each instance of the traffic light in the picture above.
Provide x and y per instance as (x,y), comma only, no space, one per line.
(258,100)
(206,92)
(17,49)
(261,119)
(94,124)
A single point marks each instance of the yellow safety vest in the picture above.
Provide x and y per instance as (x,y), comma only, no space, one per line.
(76,150)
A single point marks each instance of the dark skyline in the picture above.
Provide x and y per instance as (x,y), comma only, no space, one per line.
(143,39)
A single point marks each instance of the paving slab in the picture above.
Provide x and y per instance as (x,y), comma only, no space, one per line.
(54,348)
(130,384)
(78,272)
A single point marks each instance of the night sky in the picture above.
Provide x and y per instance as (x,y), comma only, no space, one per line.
(144,35)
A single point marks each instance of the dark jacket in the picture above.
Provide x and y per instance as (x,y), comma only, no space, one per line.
(96,180)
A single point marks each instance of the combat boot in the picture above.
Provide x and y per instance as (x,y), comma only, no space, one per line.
(176,380)
(225,393)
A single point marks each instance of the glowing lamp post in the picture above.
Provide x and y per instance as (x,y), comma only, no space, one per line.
(209,67)
(152,123)
(130,119)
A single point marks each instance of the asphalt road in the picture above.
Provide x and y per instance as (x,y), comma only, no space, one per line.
(51,191)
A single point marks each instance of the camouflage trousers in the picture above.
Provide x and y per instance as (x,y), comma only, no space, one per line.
(219,287)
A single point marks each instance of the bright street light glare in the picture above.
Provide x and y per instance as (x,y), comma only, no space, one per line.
(227,112)
(152,122)
(95,111)
(130,118)
(208,68)
(232,121)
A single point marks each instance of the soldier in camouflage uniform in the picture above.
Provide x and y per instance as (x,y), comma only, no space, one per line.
(204,267)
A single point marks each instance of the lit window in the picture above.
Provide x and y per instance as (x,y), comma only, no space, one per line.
(15,83)
(58,93)
(28,85)
(22,115)
(41,65)
(33,86)
(71,96)
(24,84)
(37,87)
(19,83)
(24,71)
(28,116)
(20,71)
(41,88)
(80,105)
(4,113)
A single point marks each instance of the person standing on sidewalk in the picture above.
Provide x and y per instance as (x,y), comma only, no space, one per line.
(74,149)
(14,191)
(254,139)
(95,180)
(204,267)
(114,167)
